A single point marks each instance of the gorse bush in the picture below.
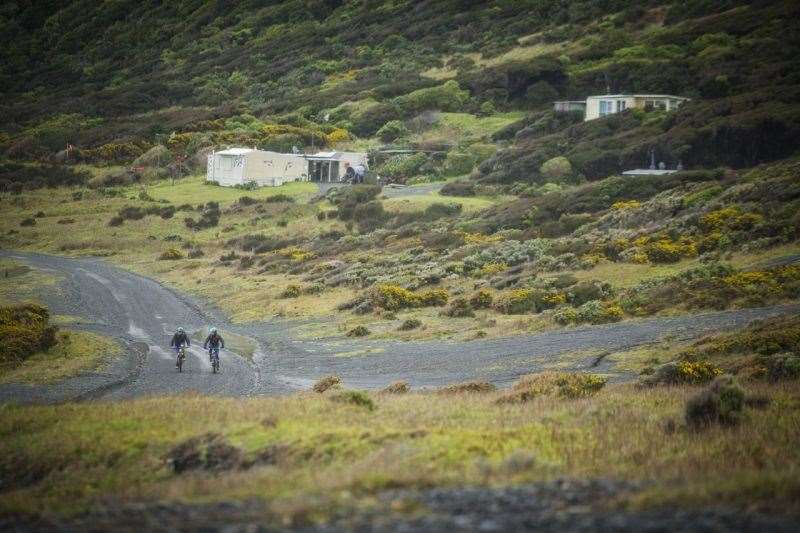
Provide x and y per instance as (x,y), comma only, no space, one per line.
(24,330)
(562,384)
(395,298)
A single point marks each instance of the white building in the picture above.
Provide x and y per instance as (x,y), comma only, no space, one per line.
(608,104)
(332,166)
(240,166)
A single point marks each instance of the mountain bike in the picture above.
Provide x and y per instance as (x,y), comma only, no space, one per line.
(181,357)
(214,354)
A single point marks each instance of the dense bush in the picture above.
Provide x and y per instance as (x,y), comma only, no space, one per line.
(395,298)
(458,188)
(392,130)
(24,330)
(722,402)
(17,175)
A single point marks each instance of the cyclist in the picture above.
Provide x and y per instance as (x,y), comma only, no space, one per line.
(179,339)
(213,343)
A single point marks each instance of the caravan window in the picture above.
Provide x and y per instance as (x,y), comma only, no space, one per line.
(227,163)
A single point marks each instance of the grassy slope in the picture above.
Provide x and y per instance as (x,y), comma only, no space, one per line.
(339,454)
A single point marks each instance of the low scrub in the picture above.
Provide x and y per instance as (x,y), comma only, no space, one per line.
(683,372)
(468,387)
(24,330)
(562,384)
(327,383)
(409,324)
(721,402)
(359,331)
(354,397)
(173,254)
(397,387)
(395,298)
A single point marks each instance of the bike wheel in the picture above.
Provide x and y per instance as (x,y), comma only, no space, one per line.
(180,365)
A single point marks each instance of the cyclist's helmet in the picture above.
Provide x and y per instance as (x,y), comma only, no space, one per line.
(180,330)
(213,330)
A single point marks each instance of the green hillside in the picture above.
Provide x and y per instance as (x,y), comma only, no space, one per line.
(114,79)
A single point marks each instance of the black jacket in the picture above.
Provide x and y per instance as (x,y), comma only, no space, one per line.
(180,338)
(214,340)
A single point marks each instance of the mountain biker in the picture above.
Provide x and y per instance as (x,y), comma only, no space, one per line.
(213,342)
(179,339)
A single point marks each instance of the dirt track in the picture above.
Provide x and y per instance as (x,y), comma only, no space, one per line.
(143,314)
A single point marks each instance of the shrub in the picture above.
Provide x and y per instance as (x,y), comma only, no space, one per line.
(395,298)
(392,130)
(195,253)
(667,251)
(592,312)
(397,387)
(683,372)
(292,291)
(279,198)
(457,163)
(27,222)
(721,402)
(459,307)
(359,331)
(327,383)
(556,169)
(563,384)
(410,323)
(482,299)
(116,221)
(24,331)
(468,387)
(517,302)
(354,397)
(458,188)
(173,254)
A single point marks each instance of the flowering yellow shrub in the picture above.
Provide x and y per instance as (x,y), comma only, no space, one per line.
(668,251)
(699,372)
(394,297)
(555,299)
(493,268)
(297,255)
(517,302)
(730,217)
(626,204)
(338,135)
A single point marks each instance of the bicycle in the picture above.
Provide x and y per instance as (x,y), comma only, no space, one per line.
(181,357)
(214,355)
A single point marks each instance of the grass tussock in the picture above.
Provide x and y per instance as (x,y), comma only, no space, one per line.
(397,387)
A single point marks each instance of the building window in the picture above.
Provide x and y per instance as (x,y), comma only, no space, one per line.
(620,105)
(227,163)
(606,107)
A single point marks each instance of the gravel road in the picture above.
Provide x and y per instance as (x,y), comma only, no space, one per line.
(143,314)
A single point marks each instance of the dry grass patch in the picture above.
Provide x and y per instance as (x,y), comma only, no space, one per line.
(468,387)
(65,458)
